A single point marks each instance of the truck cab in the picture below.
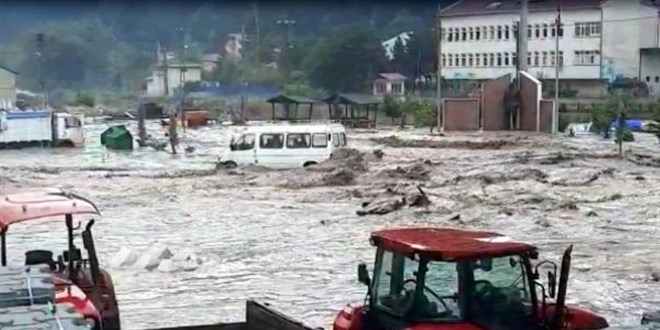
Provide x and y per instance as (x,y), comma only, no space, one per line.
(68,130)
(446,279)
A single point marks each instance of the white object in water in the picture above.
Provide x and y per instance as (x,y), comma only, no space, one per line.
(578,129)
(284,145)
(125,257)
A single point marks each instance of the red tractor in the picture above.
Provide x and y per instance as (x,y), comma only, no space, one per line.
(446,279)
(75,279)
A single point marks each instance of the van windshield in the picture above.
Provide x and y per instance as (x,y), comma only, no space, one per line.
(244,142)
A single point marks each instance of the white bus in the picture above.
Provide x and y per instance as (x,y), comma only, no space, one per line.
(284,145)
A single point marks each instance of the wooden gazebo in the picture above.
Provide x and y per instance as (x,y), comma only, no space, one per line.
(289,103)
(354,110)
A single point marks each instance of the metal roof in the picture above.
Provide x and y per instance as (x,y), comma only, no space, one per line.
(448,244)
(486,7)
(8,69)
(281,98)
(392,76)
(352,98)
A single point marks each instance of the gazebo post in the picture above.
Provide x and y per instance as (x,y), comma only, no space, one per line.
(311,109)
(375,105)
(273,106)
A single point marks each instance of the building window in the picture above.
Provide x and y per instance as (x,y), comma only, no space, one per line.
(560,31)
(507,32)
(470,60)
(537,31)
(471,31)
(499,59)
(553,60)
(448,36)
(457,34)
(506,59)
(463,34)
(561,58)
(514,59)
(477,33)
(463,60)
(444,60)
(553,30)
(492,33)
(477,60)
(529,58)
(499,32)
(536,58)
(544,59)
(545,30)
(529,31)
(492,60)
(450,60)
(587,29)
(586,57)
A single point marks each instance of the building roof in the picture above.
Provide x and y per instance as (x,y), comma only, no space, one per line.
(8,69)
(448,244)
(392,76)
(352,98)
(281,98)
(486,7)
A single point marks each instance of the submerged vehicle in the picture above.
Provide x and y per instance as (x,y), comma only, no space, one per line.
(40,128)
(76,279)
(284,145)
(447,279)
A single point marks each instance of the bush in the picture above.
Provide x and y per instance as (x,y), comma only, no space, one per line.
(84,98)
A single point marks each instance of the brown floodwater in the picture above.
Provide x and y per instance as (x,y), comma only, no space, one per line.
(263,236)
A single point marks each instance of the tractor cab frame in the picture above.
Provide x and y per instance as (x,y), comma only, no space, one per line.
(441,279)
(78,280)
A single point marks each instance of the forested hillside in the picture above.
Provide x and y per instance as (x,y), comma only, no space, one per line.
(107,44)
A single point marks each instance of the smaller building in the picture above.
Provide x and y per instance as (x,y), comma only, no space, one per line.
(390,84)
(177,76)
(7,87)
(210,62)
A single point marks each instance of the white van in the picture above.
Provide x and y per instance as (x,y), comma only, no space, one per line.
(284,145)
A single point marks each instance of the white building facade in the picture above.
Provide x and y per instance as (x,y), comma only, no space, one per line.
(599,40)
(155,84)
(7,88)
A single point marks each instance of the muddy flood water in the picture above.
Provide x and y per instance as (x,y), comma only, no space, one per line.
(292,238)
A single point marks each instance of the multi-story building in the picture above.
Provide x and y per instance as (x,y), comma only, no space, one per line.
(599,41)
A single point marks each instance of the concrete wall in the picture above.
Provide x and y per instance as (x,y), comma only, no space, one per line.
(494,113)
(546,109)
(530,91)
(460,114)
(7,89)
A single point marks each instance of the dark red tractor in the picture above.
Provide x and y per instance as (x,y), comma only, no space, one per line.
(75,276)
(447,279)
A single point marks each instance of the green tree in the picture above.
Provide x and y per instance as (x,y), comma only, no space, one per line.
(392,108)
(425,115)
(345,62)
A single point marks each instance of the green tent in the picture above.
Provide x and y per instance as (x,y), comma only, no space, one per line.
(118,138)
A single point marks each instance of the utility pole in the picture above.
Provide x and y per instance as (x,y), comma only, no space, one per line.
(438,30)
(555,110)
(522,52)
(40,57)
(163,52)
(182,76)
(258,36)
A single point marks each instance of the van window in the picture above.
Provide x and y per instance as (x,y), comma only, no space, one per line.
(271,141)
(342,138)
(320,140)
(298,140)
(335,139)
(71,122)
(245,142)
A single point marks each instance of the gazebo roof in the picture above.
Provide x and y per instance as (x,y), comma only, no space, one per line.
(352,98)
(281,98)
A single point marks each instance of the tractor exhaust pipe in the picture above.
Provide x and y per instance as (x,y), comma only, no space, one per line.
(560,305)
